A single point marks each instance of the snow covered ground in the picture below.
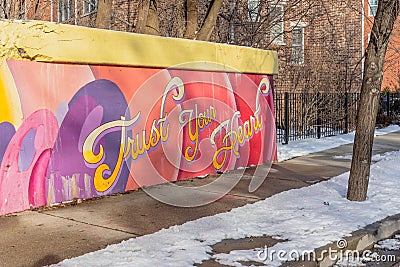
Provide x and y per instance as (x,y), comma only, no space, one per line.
(302,219)
(389,244)
(307,146)
(376,157)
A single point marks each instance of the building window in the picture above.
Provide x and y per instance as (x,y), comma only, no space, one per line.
(276,23)
(89,6)
(64,10)
(254,10)
(298,46)
(373,7)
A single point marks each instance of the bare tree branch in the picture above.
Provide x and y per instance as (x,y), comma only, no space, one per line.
(208,24)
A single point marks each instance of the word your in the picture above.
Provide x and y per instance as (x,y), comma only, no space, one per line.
(200,121)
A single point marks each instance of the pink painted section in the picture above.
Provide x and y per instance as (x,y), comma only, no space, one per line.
(96,130)
(37,183)
(14,184)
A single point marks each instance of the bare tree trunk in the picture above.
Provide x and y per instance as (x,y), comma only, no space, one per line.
(388,11)
(191,19)
(15,9)
(152,23)
(207,27)
(180,17)
(103,16)
(148,20)
(143,11)
(11,9)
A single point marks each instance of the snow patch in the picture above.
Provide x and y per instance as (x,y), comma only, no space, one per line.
(389,244)
(299,216)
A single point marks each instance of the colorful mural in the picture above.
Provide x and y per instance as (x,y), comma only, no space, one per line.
(82,131)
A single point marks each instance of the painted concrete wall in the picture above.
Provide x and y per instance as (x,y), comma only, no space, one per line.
(86,112)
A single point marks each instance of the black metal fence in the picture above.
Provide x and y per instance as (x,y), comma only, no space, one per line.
(389,105)
(314,115)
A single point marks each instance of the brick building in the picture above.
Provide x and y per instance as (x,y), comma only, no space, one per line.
(319,42)
(391,77)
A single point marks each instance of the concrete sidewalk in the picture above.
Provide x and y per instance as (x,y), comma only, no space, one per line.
(37,238)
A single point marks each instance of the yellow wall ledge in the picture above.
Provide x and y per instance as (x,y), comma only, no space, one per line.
(49,42)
